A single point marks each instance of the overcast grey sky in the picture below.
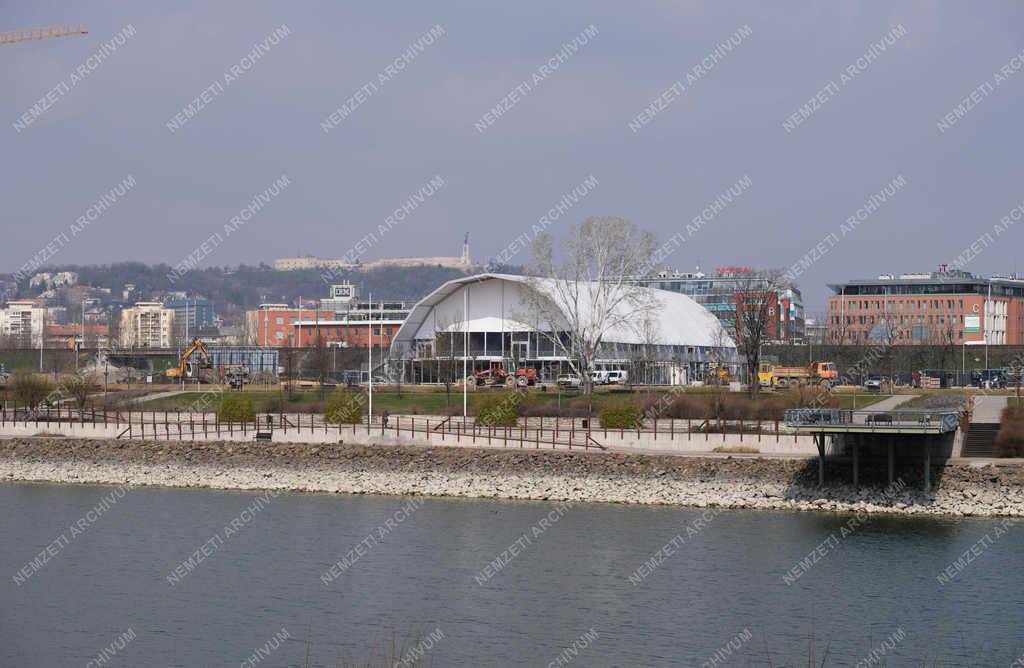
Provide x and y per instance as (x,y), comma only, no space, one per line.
(721,123)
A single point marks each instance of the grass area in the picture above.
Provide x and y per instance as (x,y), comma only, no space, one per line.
(436,402)
(860,399)
(949,400)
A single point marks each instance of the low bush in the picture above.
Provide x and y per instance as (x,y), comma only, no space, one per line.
(1010,439)
(809,396)
(621,416)
(345,407)
(674,405)
(721,405)
(499,410)
(236,407)
(314,407)
(570,409)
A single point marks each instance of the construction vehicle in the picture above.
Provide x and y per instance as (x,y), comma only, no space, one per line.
(717,374)
(497,376)
(816,373)
(199,370)
(236,375)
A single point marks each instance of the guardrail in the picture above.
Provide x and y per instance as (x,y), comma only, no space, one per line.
(529,432)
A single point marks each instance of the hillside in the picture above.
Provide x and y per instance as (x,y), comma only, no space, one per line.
(235,289)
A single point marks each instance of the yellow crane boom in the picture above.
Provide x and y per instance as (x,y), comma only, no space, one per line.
(46,32)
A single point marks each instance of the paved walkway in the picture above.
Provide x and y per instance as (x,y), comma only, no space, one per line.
(160,395)
(988,409)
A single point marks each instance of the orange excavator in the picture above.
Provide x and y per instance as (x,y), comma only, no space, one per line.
(187,369)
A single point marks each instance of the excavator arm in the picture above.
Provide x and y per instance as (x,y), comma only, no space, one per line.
(182,370)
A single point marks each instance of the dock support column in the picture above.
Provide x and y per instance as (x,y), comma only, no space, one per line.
(856,461)
(819,440)
(927,462)
(892,457)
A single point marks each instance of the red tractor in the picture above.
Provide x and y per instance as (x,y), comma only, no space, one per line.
(497,376)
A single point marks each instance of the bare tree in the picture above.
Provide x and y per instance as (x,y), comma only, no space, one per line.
(289,369)
(446,343)
(649,334)
(885,333)
(79,386)
(757,316)
(581,294)
(321,362)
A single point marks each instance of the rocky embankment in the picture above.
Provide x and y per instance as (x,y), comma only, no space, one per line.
(729,482)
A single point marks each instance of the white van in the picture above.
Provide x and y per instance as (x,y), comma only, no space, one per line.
(599,377)
(617,377)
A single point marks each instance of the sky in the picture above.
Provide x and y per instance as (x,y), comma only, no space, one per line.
(723,82)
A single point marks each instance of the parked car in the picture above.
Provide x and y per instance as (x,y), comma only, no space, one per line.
(599,377)
(569,380)
(995,378)
(873,382)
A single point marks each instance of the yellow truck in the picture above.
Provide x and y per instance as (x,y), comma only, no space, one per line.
(816,373)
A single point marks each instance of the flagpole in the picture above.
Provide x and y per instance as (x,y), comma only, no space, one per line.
(369,362)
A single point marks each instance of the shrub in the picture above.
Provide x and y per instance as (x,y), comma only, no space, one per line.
(674,405)
(236,407)
(1010,439)
(275,404)
(28,388)
(575,408)
(314,407)
(810,396)
(621,416)
(344,407)
(499,410)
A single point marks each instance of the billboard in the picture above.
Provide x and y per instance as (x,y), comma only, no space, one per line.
(972,324)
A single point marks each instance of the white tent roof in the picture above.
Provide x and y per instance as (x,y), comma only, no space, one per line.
(679,320)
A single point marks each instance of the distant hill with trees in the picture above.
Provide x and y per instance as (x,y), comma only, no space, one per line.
(235,289)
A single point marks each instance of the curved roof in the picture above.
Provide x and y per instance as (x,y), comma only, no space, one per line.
(678,321)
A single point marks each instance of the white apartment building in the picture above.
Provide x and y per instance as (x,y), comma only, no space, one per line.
(22,324)
(147,325)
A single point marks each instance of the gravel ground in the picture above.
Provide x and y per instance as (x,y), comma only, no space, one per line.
(790,484)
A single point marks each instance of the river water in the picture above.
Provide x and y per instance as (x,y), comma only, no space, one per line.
(339,580)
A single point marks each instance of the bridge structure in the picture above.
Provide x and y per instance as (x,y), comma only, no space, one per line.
(918,428)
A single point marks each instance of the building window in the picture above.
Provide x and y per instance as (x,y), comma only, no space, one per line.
(388,330)
(278,335)
(279,320)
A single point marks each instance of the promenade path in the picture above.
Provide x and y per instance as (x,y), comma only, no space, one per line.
(988,409)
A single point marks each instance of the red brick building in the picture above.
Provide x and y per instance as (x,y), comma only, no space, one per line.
(281,326)
(939,308)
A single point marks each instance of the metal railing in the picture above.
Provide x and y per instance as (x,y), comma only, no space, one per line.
(943,420)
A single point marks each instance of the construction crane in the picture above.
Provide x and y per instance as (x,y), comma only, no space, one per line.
(186,369)
(46,32)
